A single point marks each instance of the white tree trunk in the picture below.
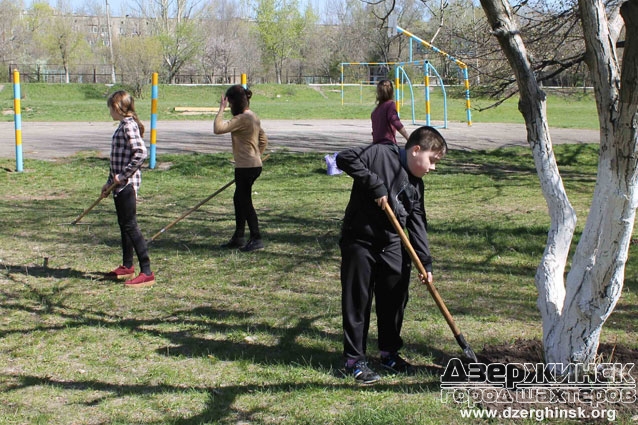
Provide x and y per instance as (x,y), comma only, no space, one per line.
(595,281)
(573,312)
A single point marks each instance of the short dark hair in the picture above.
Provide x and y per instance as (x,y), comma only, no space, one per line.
(238,98)
(427,138)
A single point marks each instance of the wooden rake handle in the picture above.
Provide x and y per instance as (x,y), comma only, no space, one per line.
(97,201)
(460,339)
(417,262)
(187,213)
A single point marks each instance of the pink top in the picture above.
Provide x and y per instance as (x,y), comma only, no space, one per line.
(385,123)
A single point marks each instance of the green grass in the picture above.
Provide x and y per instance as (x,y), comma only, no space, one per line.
(232,338)
(87,102)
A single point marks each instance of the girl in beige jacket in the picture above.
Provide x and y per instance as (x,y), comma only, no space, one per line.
(249,142)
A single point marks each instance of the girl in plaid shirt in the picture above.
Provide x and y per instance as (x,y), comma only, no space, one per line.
(127,155)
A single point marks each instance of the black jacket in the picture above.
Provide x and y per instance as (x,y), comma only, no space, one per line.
(378,170)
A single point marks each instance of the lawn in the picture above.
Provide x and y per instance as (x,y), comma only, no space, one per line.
(87,102)
(231,338)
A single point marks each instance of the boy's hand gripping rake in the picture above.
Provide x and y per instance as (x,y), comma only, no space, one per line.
(97,201)
(187,213)
(435,294)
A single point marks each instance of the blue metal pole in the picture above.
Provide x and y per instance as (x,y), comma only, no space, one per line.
(154,93)
(17,118)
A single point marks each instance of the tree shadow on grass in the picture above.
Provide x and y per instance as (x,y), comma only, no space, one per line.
(576,162)
(242,335)
(221,400)
(238,343)
(315,241)
(286,349)
(44,271)
(308,241)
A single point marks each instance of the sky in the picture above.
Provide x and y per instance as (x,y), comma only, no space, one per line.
(116,6)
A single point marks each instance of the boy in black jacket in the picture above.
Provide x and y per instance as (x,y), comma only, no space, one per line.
(373,261)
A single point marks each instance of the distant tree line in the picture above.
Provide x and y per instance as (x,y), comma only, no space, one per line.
(214,41)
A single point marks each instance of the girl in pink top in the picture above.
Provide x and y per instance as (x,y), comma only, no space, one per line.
(385,118)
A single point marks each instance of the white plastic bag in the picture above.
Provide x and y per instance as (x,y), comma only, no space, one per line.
(331,162)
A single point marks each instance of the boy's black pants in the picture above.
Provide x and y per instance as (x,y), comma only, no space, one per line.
(132,239)
(367,273)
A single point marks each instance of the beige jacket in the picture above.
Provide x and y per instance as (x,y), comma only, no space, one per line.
(248,138)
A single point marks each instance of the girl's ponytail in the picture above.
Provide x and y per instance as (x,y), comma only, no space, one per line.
(139,123)
(124,104)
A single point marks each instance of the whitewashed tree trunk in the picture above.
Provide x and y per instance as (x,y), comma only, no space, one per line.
(574,311)
(595,281)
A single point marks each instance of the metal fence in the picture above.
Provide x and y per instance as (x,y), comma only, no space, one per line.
(44,73)
(101,74)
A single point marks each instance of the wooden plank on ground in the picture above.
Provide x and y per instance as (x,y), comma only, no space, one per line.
(196,109)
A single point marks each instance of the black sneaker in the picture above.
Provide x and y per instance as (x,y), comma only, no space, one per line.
(362,373)
(234,242)
(252,245)
(396,364)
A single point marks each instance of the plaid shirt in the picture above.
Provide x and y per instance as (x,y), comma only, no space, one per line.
(128,152)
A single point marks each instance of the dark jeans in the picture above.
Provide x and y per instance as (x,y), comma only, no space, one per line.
(367,273)
(132,239)
(243,200)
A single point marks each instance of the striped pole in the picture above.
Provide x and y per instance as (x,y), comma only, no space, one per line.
(17,117)
(244,81)
(468,109)
(154,93)
(397,99)
(341,65)
(427,94)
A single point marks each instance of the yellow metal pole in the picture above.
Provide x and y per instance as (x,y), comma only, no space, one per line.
(427,99)
(396,86)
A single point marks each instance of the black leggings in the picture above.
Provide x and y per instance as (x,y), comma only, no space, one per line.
(132,239)
(243,200)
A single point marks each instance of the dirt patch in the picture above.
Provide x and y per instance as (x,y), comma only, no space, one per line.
(587,401)
(532,351)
